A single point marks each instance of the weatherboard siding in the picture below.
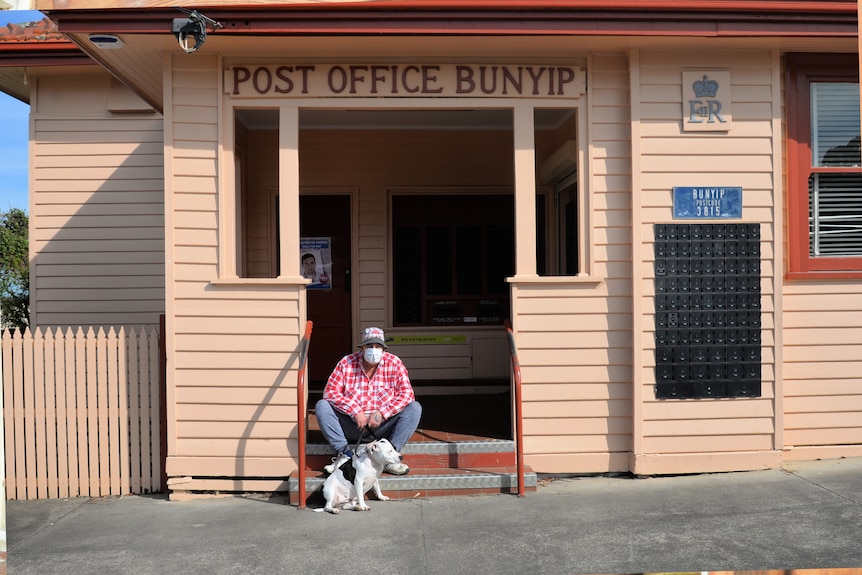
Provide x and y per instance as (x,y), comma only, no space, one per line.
(96,207)
(574,338)
(231,347)
(682,435)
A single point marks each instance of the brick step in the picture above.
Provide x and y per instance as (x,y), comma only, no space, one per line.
(436,454)
(436,482)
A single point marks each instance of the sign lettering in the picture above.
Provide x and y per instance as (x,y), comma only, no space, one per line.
(405,80)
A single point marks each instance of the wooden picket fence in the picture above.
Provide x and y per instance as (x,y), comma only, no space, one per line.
(81,412)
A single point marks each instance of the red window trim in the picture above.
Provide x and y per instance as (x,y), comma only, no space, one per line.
(802,69)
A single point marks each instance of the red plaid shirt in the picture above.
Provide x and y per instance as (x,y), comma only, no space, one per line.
(350,391)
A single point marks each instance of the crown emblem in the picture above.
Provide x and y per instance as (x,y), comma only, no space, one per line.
(705,88)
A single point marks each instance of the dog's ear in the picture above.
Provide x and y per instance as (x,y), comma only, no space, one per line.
(373,446)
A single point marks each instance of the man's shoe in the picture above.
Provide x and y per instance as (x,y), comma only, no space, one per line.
(396,468)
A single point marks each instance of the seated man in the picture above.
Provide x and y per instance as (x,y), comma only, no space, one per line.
(369,388)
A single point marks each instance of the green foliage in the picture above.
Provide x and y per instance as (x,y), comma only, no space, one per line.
(14,269)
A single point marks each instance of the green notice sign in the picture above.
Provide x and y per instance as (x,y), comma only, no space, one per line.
(424,339)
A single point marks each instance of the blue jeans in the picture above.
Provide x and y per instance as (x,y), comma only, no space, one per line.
(341,431)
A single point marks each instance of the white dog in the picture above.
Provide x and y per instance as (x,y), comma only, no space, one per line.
(368,463)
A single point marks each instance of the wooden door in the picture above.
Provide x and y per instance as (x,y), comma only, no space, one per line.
(328,216)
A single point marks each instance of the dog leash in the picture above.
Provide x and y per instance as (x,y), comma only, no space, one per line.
(361,435)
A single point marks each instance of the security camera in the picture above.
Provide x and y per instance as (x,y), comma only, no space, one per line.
(195,26)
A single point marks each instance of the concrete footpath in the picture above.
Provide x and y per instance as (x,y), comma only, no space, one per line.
(808,515)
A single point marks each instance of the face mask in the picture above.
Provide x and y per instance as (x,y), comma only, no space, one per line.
(372,355)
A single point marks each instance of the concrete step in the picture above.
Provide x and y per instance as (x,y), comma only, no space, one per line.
(436,469)
(426,483)
(436,454)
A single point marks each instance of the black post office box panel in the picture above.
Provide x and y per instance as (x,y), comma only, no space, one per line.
(664,373)
(743,389)
(735,354)
(735,371)
(663,355)
(752,353)
(705,389)
(731,266)
(699,372)
(730,319)
(751,371)
(672,391)
(754,266)
(718,371)
(732,300)
(754,284)
(707,297)
(682,373)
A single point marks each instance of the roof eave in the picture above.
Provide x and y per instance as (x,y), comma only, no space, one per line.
(492,17)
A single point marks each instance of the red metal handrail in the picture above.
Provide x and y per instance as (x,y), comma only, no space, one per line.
(301,410)
(519,418)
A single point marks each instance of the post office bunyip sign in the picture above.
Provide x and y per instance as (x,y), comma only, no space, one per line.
(707,203)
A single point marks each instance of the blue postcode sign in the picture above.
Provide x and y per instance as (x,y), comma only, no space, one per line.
(707,202)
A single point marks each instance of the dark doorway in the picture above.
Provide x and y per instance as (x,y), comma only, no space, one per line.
(328,216)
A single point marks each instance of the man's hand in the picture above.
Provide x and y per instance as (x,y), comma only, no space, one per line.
(375,420)
(371,420)
(361,419)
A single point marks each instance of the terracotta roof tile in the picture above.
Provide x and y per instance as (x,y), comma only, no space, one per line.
(43,31)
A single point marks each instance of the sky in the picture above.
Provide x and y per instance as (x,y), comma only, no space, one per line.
(14,134)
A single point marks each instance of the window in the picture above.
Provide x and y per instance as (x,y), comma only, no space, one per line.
(558,214)
(256,145)
(824,166)
(451,257)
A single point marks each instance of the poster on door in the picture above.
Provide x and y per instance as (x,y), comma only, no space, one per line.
(315,260)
